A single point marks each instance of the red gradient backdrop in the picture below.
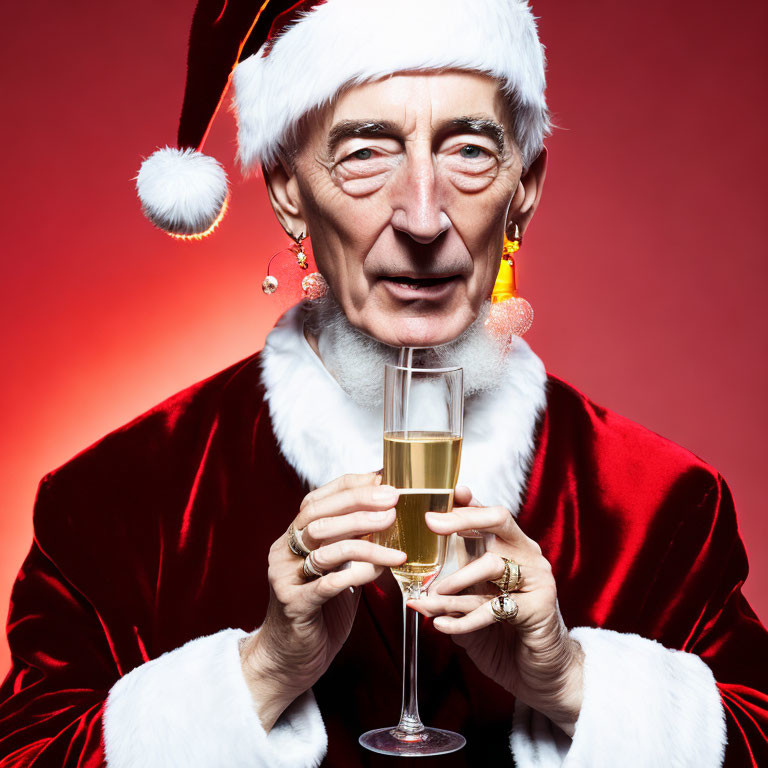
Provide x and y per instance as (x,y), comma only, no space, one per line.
(645,264)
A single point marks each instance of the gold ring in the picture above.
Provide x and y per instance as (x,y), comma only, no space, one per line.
(295,542)
(504,607)
(311,571)
(510,579)
(516,576)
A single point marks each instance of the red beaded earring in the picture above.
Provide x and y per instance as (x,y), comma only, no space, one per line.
(313,285)
(510,314)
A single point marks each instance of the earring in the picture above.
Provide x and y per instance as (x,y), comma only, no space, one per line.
(510,314)
(313,285)
(301,257)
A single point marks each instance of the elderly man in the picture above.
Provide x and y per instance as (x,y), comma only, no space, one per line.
(163,617)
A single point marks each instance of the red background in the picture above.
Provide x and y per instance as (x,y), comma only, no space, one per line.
(645,264)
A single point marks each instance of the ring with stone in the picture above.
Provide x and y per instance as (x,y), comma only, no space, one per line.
(504,607)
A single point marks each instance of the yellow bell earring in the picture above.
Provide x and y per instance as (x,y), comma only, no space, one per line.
(510,314)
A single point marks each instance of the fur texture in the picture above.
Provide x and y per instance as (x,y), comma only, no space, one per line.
(182,191)
(357,360)
(644,706)
(324,433)
(347,42)
(191,708)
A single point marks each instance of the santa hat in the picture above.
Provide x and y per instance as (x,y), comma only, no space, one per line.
(286,59)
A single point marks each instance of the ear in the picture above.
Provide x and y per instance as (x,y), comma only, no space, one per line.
(528,193)
(283,192)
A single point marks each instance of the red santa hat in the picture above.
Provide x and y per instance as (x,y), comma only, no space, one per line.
(286,59)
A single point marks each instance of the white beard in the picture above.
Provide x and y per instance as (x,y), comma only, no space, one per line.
(355,360)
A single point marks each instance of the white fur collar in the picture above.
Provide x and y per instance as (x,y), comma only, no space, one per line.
(323,433)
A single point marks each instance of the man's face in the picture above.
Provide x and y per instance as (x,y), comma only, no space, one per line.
(405,185)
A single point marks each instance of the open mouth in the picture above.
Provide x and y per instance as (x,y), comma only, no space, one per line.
(417,283)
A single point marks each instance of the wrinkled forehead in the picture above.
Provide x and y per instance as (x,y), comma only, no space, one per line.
(416,100)
(415,94)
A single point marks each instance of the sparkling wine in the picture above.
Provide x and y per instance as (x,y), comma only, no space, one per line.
(424,466)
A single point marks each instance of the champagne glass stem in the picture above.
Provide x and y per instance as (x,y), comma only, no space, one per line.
(410,722)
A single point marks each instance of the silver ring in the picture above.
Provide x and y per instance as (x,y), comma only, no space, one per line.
(311,571)
(504,607)
(295,543)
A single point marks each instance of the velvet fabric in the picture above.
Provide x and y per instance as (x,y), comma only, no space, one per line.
(160,532)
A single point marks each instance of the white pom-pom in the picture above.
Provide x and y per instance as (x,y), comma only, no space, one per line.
(182,191)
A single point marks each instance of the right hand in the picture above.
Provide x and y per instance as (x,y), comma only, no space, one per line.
(307,622)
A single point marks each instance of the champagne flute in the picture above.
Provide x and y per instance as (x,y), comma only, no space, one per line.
(423,421)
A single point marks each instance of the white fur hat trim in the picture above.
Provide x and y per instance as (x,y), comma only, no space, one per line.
(182,191)
(354,41)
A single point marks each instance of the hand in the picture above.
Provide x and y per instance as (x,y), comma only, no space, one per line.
(533,656)
(308,621)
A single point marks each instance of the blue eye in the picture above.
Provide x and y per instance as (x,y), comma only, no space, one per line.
(471,148)
(357,155)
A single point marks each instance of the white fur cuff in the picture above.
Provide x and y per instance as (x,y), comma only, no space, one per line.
(644,706)
(191,708)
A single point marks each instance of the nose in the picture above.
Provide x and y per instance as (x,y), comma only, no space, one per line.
(416,200)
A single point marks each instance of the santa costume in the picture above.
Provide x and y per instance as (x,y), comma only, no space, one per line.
(148,564)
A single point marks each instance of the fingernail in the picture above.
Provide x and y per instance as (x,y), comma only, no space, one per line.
(379,515)
(385,493)
(439,621)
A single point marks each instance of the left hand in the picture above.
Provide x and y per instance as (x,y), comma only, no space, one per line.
(532,656)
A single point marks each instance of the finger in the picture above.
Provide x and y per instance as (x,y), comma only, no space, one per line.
(487,568)
(480,618)
(496,520)
(473,533)
(439,605)
(344,483)
(333,555)
(462,496)
(326,530)
(332,584)
(365,497)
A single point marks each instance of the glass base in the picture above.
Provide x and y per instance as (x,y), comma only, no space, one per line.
(430,741)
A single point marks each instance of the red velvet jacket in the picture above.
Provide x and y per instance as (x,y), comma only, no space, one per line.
(159,534)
